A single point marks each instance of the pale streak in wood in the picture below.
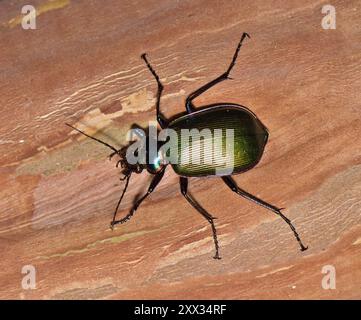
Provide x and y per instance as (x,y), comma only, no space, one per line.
(58,190)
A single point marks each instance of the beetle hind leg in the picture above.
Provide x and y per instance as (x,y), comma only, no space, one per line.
(203,212)
(233,186)
(222,77)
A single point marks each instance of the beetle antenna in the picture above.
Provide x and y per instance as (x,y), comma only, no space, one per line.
(100,141)
(120,200)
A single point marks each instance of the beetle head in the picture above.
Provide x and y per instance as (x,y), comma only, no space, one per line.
(140,155)
(126,168)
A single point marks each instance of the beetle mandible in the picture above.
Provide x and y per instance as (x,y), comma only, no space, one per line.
(250,138)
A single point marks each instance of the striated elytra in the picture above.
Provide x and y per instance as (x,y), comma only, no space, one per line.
(249,139)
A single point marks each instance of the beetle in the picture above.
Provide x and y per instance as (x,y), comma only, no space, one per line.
(250,138)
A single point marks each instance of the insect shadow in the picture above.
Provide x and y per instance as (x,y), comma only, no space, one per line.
(250,138)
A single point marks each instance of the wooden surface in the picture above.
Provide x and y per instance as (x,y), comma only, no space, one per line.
(58,190)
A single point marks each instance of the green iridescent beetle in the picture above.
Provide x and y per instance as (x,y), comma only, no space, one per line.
(249,139)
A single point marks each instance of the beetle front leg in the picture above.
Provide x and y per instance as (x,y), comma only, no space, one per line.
(223,76)
(155,181)
(161,120)
(203,212)
(233,186)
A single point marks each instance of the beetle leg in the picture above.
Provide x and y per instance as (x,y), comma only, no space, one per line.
(120,200)
(231,183)
(203,212)
(161,120)
(156,179)
(224,76)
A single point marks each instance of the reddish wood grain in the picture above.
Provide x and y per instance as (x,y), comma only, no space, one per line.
(58,190)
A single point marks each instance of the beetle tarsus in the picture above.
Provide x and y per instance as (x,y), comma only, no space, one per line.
(288,221)
(233,62)
(125,219)
(120,200)
(245,34)
(224,76)
(215,240)
(160,118)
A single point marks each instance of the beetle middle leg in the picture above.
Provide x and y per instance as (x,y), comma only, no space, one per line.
(223,76)
(203,212)
(231,184)
(155,181)
(160,118)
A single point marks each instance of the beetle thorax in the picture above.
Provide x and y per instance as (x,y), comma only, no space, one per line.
(155,162)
